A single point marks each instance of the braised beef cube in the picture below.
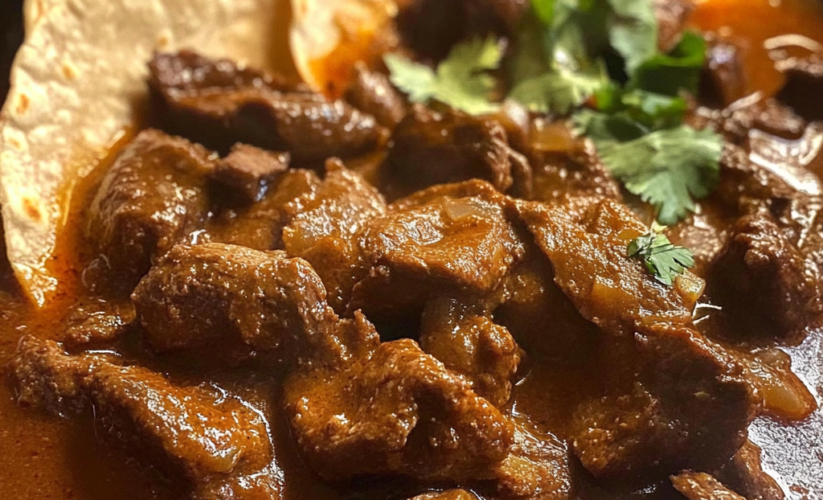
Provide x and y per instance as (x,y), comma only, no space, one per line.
(218,445)
(217,104)
(447,244)
(260,226)
(247,171)
(399,412)
(671,399)
(577,172)
(432,148)
(98,322)
(702,486)
(727,81)
(152,197)
(460,333)
(234,303)
(373,93)
(538,466)
(672,17)
(676,401)
(763,280)
(745,474)
(540,316)
(735,122)
(321,228)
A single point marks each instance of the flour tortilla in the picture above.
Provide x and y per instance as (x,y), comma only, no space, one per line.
(328,36)
(74,83)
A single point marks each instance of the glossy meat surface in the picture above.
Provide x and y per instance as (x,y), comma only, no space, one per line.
(674,398)
(701,486)
(462,334)
(244,300)
(398,411)
(150,199)
(432,148)
(247,171)
(434,243)
(321,228)
(222,105)
(220,446)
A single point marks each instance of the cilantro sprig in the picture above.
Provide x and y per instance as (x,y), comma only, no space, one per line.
(461,80)
(599,61)
(662,259)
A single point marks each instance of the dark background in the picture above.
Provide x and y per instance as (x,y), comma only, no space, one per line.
(11,35)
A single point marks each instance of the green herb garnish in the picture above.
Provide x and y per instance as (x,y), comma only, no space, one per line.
(461,80)
(667,168)
(661,258)
(602,56)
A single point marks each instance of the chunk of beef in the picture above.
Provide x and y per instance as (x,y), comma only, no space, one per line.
(98,322)
(322,224)
(435,148)
(234,303)
(671,400)
(373,93)
(576,172)
(762,279)
(745,474)
(260,226)
(701,486)
(672,17)
(152,197)
(228,105)
(537,467)
(218,445)
(461,334)
(727,82)
(540,316)
(247,171)
(444,244)
(446,495)
(773,176)
(736,121)
(399,411)
(680,401)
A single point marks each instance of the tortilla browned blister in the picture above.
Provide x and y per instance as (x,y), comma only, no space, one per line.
(74,85)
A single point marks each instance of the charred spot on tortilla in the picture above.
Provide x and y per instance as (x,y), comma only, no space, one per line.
(23,104)
(32,210)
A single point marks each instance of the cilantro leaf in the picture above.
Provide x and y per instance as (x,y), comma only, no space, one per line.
(678,70)
(633,31)
(460,80)
(662,259)
(417,80)
(607,130)
(667,168)
(653,111)
(559,91)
